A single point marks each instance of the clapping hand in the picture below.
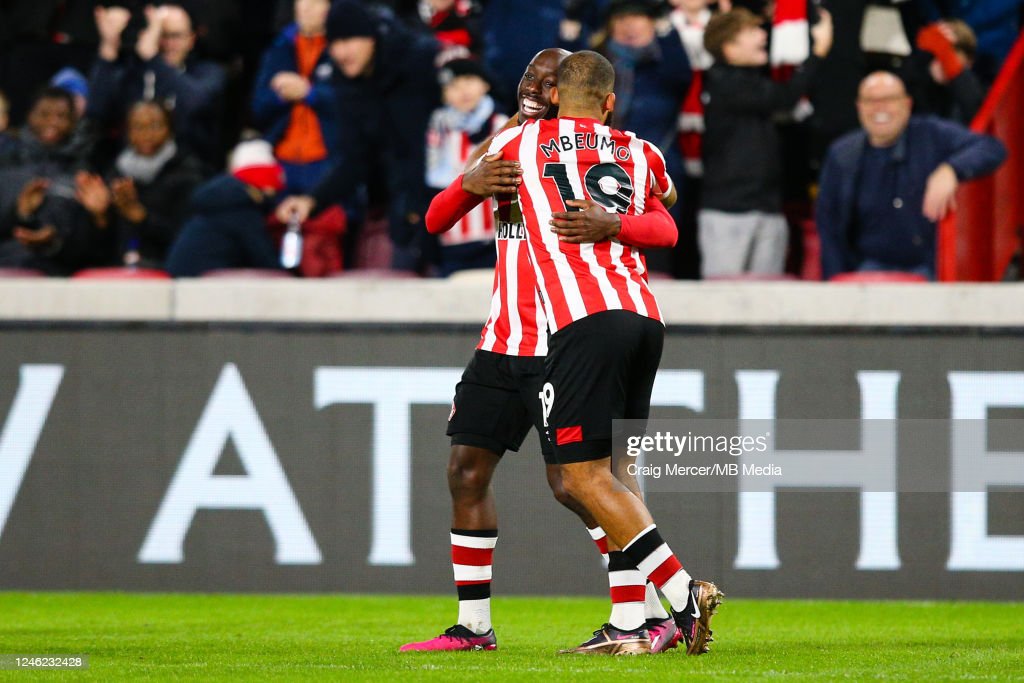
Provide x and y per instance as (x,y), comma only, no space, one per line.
(31,197)
(290,86)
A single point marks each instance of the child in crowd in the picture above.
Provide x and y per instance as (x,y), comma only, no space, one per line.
(466,120)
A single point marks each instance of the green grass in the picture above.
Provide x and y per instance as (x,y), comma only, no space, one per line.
(242,637)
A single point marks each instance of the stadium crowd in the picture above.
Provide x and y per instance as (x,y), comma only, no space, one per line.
(186,137)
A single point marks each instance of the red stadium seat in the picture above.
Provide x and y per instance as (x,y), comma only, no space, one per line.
(375,274)
(121,274)
(20,272)
(247,274)
(753,277)
(883,276)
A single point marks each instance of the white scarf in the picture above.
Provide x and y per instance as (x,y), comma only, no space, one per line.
(145,169)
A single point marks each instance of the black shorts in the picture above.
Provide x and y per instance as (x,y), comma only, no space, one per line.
(598,369)
(497,402)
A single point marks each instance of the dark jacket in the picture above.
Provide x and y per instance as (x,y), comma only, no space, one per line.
(166,199)
(383,125)
(195,95)
(927,142)
(226,229)
(24,159)
(272,115)
(959,100)
(650,87)
(741,151)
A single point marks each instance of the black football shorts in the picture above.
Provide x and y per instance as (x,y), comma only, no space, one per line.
(496,403)
(598,369)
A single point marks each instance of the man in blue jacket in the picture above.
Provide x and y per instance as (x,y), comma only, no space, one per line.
(884,188)
(387,82)
(294,101)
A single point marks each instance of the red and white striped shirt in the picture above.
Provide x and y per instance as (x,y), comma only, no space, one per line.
(570,158)
(516,323)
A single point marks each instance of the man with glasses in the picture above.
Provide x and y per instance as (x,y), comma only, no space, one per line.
(884,187)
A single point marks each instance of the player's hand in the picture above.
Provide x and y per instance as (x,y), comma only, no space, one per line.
(590,223)
(493,176)
(940,193)
(297,206)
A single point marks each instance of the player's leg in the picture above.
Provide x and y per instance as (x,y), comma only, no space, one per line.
(486,420)
(625,586)
(661,627)
(593,368)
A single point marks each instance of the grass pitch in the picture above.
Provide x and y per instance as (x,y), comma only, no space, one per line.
(242,637)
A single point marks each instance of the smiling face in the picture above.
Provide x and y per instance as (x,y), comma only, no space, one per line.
(51,120)
(749,47)
(534,94)
(884,108)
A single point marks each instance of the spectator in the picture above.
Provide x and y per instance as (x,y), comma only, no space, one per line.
(162,68)
(294,102)
(7,142)
(883,188)
(50,208)
(150,184)
(466,120)
(940,73)
(389,84)
(75,83)
(690,17)
(227,223)
(454,23)
(742,229)
(996,23)
(652,71)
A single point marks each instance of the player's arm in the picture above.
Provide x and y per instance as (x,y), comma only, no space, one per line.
(592,223)
(491,175)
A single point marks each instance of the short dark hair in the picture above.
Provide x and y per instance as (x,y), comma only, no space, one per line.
(585,76)
(724,27)
(162,107)
(49,92)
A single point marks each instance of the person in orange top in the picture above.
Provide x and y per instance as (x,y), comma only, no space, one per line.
(294,103)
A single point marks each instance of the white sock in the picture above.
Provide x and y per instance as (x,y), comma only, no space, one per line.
(653,609)
(475,615)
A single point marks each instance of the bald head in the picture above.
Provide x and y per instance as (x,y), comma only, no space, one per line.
(883,108)
(537,83)
(585,80)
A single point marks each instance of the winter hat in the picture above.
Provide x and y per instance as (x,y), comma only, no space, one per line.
(72,81)
(350,19)
(254,164)
(462,67)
